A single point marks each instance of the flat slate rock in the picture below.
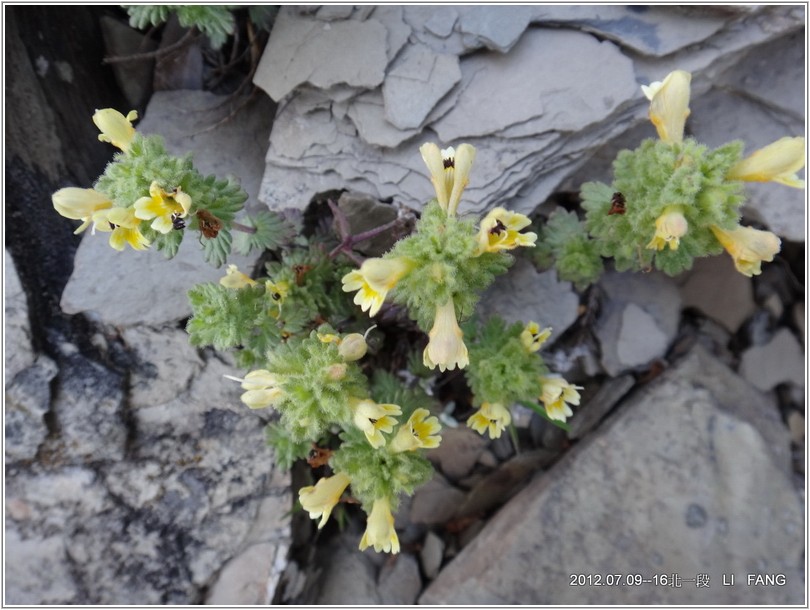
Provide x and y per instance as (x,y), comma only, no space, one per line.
(680,481)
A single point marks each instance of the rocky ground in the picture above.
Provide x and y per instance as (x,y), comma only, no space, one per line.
(134,475)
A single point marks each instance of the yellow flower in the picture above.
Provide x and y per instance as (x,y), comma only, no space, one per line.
(500,231)
(449,172)
(491,416)
(669,105)
(235,279)
(278,291)
(420,431)
(557,393)
(374,419)
(163,207)
(374,279)
(669,228)
(320,499)
(328,338)
(533,338)
(115,128)
(262,389)
(79,204)
(446,347)
(380,532)
(124,225)
(777,162)
(748,247)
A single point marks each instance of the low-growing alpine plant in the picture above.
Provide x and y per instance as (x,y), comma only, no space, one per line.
(301,329)
(672,200)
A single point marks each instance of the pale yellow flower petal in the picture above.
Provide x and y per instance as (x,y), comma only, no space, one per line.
(420,431)
(79,204)
(669,105)
(115,128)
(533,338)
(669,228)
(748,247)
(449,172)
(320,499)
(235,279)
(446,348)
(374,419)
(777,162)
(500,230)
(490,417)
(380,532)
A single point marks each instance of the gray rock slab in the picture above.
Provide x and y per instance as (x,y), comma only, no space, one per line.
(431,555)
(781,360)
(505,90)
(244,579)
(435,502)
(305,50)
(524,294)
(89,409)
(595,405)
(414,84)
(128,288)
(679,481)
(18,352)
(399,582)
(166,363)
(368,113)
(347,565)
(458,452)
(37,571)
(638,319)
(28,399)
(714,287)
(133,77)
(722,116)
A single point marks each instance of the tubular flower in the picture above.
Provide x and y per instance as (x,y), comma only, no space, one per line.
(669,228)
(669,105)
(374,419)
(236,279)
(557,393)
(446,347)
(449,172)
(124,226)
(533,338)
(262,389)
(115,128)
(374,279)
(319,499)
(748,247)
(500,231)
(777,162)
(164,207)
(492,416)
(380,532)
(420,431)
(79,204)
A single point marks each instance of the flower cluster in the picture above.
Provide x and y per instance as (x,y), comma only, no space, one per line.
(674,199)
(506,368)
(147,197)
(316,383)
(439,270)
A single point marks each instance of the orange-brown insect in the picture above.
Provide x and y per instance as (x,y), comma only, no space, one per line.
(318,456)
(300,272)
(617,204)
(209,224)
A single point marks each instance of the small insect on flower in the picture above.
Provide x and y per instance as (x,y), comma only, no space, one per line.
(300,271)
(210,225)
(318,456)
(178,224)
(498,228)
(617,204)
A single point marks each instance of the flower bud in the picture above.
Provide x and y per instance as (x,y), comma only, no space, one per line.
(353,347)
(336,372)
